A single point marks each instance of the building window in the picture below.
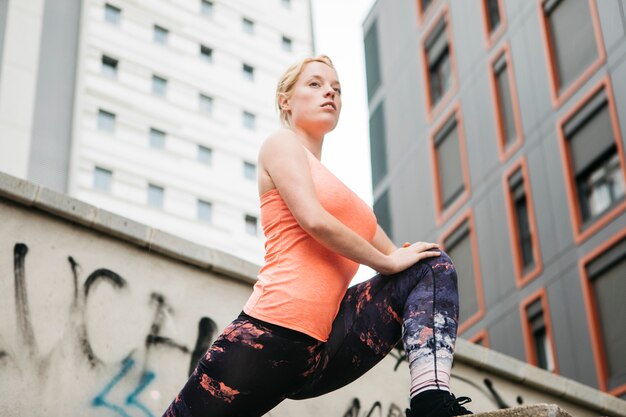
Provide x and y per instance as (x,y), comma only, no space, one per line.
(493,14)
(605,286)
(593,151)
(287,44)
(205,155)
(378,145)
(424,4)
(112,14)
(382,210)
(439,67)
(522,224)
(109,66)
(449,166)
(538,332)
(206,54)
(372,60)
(247,25)
(159,86)
(205,104)
(204,211)
(248,72)
(502,81)
(206,8)
(160,35)
(155,196)
(571,38)
(157,139)
(106,121)
(249,171)
(286,4)
(102,179)
(251,225)
(249,120)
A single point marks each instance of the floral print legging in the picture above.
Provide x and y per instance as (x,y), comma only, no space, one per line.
(254,365)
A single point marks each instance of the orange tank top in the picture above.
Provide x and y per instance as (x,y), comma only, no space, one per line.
(302,283)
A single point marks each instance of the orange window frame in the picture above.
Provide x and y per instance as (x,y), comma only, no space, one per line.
(432,111)
(481,336)
(441,214)
(423,15)
(522,279)
(531,353)
(469,218)
(503,151)
(491,38)
(570,186)
(558,99)
(593,320)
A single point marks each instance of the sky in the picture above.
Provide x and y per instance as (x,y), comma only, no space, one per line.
(338,32)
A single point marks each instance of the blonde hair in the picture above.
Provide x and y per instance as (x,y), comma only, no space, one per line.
(290,77)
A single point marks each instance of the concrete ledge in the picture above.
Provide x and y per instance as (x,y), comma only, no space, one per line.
(537,410)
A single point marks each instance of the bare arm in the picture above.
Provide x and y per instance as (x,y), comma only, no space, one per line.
(283,157)
(382,242)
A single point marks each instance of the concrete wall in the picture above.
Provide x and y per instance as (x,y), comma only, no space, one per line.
(102,316)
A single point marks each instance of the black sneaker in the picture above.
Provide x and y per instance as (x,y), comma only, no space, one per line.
(437,403)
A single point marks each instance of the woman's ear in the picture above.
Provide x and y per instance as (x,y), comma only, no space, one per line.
(283,101)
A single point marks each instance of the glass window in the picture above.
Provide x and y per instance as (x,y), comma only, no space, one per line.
(206,7)
(593,151)
(424,4)
(505,101)
(157,139)
(248,72)
(378,145)
(155,196)
(160,35)
(458,246)
(206,104)
(493,14)
(205,155)
(159,85)
(249,120)
(112,14)
(438,60)
(251,225)
(448,157)
(102,179)
(247,25)
(606,275)
(520,204)
(572,38)
(206,53)
(106,121)
(249,171)
(286,4)
(382,210)
(204,211)
(109,66)
(372,65)
(287,44)
(540,338)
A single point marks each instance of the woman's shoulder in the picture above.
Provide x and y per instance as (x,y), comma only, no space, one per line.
(282,141)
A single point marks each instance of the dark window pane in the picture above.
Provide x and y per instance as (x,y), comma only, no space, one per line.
(438,59)
(493,14)
(461,254)
(109,66)
(251,225)
(424,4)
(372,66)
(382,210)
(112,14)
(448,154)
(573,38)
(206,53)
(505,104)
(378,145)
(539,334)
(205,155)
(206,7)
(518,193)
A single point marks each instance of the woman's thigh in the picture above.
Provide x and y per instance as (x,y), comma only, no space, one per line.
(247,371)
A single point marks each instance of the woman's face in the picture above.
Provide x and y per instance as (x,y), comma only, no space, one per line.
(315,101)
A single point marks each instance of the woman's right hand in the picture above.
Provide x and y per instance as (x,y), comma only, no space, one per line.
(408,255)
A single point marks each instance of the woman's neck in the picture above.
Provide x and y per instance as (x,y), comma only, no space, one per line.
(313,143)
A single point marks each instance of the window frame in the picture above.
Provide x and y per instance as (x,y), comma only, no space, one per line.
(504,151)
(559,98)
(441,214)
(424,15)
(521,278)
(491,38)
(580,233)
(593,319)
(468,217)
(531,353)
(481,336)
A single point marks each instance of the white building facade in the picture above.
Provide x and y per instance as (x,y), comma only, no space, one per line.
(168,105)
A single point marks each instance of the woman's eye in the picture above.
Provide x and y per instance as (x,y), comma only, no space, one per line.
(314,83)
(338,90)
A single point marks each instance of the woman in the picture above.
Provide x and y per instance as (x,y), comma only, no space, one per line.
(303,332)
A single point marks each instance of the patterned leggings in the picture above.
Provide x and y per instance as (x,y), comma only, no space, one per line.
(254,365)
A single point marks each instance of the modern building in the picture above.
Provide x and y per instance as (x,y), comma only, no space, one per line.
(151,109)
(498,128)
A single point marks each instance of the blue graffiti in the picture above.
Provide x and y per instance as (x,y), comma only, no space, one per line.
(132,400)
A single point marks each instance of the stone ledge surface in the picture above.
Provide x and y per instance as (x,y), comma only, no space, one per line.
(537,410)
